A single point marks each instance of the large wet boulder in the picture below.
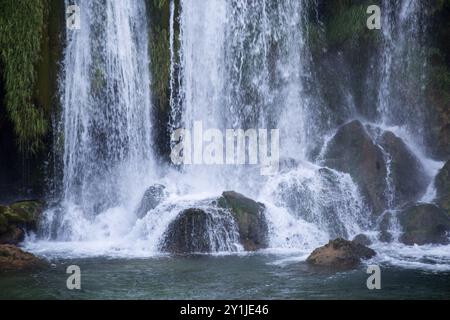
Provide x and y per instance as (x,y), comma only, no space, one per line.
(442,183)
(188,233)
(340,254)
(153,196)
(407,173)
(353,151)
(14,258)
(424,224)
(250,219)
(17,219)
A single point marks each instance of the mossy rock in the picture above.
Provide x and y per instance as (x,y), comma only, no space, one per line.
(249,215)
(18,218)
(25,212)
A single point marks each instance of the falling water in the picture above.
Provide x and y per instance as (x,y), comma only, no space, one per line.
(247,64)
(403,63)
(106,112)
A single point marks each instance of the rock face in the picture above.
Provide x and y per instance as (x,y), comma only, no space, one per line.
(188,233)
(407,172)
(18,218)
(340,254)
(362,239)
(442,183)
(13,258)
(352,151)
(424,224)
(249,215)
(153,196)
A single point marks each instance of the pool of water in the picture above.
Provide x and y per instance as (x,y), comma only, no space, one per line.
(255,276)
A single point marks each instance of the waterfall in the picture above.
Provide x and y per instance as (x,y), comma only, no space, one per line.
(403,64)
(247,64)
(106,113)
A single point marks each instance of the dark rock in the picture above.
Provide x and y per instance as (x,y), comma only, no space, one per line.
(250,218)
(424,224)
(352,151)
(188,233)
(442,183)
(17,219)
(153,196)
(362,239)
(14,235)
(407,172)
(13,258)
(340,254)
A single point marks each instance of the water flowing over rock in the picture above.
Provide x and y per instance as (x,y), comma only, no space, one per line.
(405,170)
(352,150)
(340,254)
(151,199)
(198,230)
(249,215)
(424,224)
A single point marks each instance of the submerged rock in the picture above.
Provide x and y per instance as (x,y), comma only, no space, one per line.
(13,258)
(352,151)
(362,239)
(17,219)
(424,224)
(442,183)
(153,196)
(340,254)
(406,171)
(250,218)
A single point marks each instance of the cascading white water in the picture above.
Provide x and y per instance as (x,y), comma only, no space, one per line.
(403,63)
(240,64)
(106,123)
(246,64)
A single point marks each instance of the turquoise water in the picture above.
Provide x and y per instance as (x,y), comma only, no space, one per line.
(258,276)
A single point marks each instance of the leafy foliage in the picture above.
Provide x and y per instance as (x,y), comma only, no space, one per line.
(21,30)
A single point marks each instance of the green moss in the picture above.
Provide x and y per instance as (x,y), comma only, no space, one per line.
(26,212)
(347,24)
(22,24)
(160,57)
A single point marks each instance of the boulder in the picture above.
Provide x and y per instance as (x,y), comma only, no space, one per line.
(250,218)
(424,224)
(188,233)
(406,171)
(153,196)
(17,219)
(340,254)
(442,184)
(362,239)
(352,151)
(13,258)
